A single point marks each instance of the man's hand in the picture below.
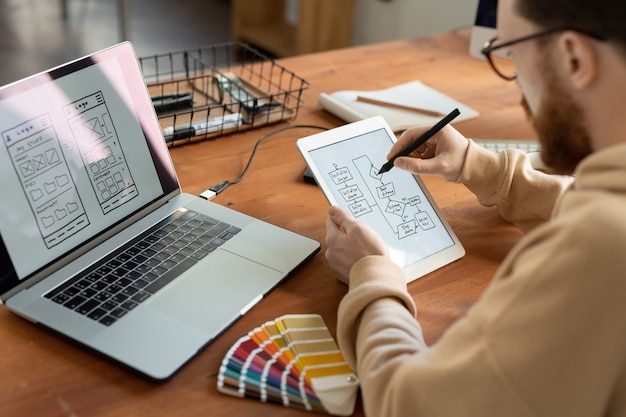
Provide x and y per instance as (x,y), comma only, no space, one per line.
(349,240)
(442,155)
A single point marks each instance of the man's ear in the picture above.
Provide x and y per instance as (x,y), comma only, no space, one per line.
(579,59)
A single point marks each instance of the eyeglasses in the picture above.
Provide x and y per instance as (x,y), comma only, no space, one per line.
(503,63)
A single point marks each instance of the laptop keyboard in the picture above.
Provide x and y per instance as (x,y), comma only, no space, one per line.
(115,285)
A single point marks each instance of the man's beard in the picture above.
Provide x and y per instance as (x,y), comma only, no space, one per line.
(560,126)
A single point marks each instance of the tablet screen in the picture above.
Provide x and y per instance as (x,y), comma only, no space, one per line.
(345,162)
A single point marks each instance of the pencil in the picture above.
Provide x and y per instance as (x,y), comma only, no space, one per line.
(420,140)
(399,106)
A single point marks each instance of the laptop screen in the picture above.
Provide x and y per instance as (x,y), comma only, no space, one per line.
(80,151)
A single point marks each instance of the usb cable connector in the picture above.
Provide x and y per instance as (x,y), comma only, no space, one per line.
(215,190)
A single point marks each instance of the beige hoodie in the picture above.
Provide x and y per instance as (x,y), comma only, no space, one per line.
(548,336)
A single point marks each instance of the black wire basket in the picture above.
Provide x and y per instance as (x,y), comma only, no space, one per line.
(220,89)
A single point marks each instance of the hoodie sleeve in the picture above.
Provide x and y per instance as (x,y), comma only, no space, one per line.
(523,195)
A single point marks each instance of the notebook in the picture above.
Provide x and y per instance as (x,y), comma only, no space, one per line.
(345,105)
(99,243)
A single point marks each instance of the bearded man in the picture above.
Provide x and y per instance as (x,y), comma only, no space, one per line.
(548,336)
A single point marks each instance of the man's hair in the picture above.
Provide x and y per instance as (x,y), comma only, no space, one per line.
(606,18)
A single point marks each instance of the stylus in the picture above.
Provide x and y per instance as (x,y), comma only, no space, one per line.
(420,140)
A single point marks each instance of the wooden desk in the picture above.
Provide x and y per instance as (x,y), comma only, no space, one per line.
(43,375)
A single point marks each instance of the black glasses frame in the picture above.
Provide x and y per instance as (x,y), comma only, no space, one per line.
(491,46)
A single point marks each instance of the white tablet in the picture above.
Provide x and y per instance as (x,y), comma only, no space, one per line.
(345,162)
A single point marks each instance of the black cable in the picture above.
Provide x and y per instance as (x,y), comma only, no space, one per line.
(218,188)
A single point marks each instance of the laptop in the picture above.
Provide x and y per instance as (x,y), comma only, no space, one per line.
(98,242)
(484,28)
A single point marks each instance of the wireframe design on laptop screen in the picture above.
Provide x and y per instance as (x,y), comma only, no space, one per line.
(69,169)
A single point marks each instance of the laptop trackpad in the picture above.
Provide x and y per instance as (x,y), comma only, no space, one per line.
(213,293)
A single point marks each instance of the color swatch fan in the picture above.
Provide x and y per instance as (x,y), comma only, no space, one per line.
(293,361)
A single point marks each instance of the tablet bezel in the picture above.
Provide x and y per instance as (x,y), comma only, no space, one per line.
(332,137)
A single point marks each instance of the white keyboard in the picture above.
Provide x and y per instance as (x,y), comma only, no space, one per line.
(496,145)
(531,147)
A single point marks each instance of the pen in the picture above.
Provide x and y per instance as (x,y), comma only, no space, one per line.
(170,96)
(399,106)
(420,140)
(171,101)
(214,124)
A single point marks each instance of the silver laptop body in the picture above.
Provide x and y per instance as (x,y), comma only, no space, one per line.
(84,171)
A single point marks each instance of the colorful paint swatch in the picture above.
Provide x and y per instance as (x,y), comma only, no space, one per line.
(293,361)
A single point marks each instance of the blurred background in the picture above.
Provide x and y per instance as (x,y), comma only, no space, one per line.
(35,35)
(38,34)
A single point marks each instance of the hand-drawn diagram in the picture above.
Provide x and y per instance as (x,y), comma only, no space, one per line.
(37,158)
(101,151)
(396,205)
(401,212)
